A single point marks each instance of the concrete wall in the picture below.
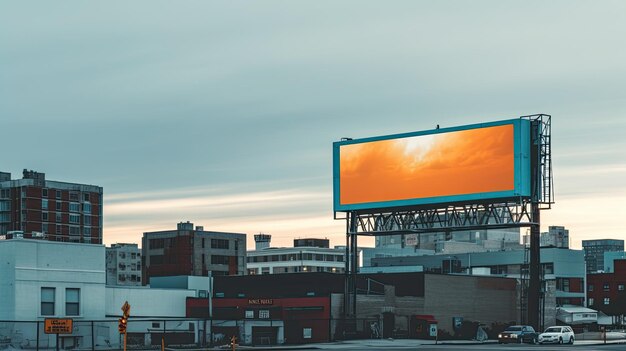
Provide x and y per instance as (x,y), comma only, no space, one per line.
(480,299)
(30,265)
(147,302)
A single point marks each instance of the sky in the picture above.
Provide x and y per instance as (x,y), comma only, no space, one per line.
(224,113)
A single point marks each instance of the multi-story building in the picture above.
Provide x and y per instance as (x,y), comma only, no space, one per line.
(56,211)
(452,242)
(606,292)
(609,260)
(565,267)
(307,255)
(555,237)
(123,263)
(594,252)
(189,251)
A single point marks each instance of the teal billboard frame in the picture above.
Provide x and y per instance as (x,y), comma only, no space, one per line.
(522,170)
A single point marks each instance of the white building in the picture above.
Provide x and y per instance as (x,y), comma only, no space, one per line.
(555,237)
(307,255)
(46,279)
(123,264)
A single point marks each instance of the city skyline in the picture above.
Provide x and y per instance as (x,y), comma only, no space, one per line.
(224,114)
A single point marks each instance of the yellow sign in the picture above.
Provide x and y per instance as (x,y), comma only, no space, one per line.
(58,326)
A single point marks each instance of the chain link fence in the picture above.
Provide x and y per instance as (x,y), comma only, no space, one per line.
(187,333)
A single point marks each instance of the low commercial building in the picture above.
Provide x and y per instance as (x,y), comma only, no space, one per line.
(566,268)
(302,308)
(308,255)
(45,279)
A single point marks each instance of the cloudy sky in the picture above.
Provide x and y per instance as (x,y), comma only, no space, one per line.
(224,113)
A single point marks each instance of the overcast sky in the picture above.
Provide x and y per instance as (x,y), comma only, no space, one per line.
(224,113)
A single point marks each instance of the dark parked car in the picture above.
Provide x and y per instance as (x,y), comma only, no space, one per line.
(518,334)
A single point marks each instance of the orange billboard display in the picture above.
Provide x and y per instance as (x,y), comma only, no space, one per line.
(430,167)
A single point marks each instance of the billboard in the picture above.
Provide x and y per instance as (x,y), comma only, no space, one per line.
(448,165)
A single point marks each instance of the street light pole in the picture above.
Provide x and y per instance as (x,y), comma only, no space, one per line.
(210,296)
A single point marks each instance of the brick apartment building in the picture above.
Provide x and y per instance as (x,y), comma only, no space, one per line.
(53,210)
(606,292)
(189,251)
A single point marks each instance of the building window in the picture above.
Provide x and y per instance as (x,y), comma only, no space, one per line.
(44,216)
(606,287)
(590,287)
(590,301)
(72,302)
(57,194)
(47,301)
(73,196)
(58,217)
(87,231)
(74,230)
(87,207)
(219,243)
(86,197)
(607,300)
(620,287)
(249,314)
(219,259)
(74,219)
(74,207)
(86,220)
(264,314)
(59,229)
(44,192)
(44,204)
(58,205)
(307,333)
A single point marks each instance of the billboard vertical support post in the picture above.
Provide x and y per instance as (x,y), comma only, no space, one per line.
(534,286)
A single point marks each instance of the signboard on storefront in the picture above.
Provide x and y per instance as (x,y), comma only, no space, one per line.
(260,301)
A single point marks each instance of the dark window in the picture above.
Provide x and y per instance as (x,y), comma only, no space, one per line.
(73,196)
(219,259)
(219,243)
(44,192)
(58,205)
(57,193)
(86,197)
(606,287)
(590,287)
(72,302)
(47,301)
(157,243)
(44,216)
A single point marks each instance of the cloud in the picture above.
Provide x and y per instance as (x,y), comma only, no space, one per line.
(286,213)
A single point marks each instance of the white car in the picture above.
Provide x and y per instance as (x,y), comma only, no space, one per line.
(558,335)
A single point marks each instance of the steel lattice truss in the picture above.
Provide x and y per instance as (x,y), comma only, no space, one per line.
(448,218)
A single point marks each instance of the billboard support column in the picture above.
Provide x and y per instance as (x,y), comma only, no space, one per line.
(534,286)
(351,270)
